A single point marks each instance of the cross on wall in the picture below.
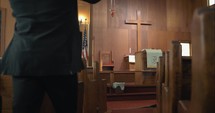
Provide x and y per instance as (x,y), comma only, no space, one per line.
(138,22)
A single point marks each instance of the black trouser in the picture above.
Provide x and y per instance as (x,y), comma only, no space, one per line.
(29,92)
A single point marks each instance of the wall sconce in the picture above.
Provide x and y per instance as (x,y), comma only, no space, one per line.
(82,19)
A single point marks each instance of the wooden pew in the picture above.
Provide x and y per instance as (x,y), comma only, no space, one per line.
(145,75)
(185,86)
(179,77)
(159,80)
(203,67)
(163,92)
(6,93)
(80,103)
(165,85)
(94,91)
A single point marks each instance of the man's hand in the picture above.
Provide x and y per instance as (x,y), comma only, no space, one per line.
(91,1)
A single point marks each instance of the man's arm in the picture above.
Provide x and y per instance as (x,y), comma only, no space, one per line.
(91,1)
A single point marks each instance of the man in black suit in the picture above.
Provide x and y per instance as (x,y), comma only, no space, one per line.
(44,54)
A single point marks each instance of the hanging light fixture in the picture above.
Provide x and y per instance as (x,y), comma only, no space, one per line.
(112,7)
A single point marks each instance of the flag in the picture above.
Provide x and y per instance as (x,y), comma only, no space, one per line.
(84,45)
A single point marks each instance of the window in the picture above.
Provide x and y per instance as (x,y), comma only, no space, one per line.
(211,2)
(186,49)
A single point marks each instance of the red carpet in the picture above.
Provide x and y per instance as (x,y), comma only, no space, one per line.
(135,106)
(138,110)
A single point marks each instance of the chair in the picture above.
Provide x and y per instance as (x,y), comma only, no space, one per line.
(106,61)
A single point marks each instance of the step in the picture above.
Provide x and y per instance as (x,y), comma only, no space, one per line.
(132,92)
(131,96)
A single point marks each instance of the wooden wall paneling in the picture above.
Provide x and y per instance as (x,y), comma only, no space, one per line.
(144,39)
(157,15)
(116,43)
(99,15)
(165,14)
(117,20)
(158,39)
(132,34)
(143,6)
(177,15)
(198,4)
(10,21)
(170,20)
(120,47)
(172,35)
(2,30)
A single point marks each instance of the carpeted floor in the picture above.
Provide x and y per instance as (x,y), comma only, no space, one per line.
(137,110)
(137,106)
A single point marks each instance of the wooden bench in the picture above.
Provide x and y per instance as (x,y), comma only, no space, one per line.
(179,78)
(173,80)
(165,85)
(159,80)
(203,66)
(144,77)
(94,91)
(6,93)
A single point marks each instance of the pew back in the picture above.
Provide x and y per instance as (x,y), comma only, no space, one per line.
(203,66)
(179,77)
(94,91)
(159,80)
(6,91)
(165,85)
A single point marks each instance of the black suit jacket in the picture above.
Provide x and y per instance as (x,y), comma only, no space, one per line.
(46,41)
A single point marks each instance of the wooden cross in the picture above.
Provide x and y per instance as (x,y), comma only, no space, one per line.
(138,22)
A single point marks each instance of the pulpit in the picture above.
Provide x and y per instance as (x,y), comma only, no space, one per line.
(106,61)
(145,66)
(147,59)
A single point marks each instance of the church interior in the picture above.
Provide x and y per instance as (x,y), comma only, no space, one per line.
(141,56)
